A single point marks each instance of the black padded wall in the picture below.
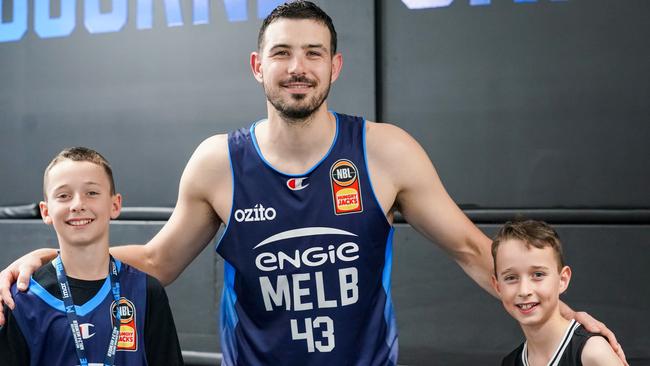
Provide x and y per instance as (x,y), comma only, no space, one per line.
(524,103)
(146,98)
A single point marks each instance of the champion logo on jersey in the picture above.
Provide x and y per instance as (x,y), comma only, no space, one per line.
(86,331)
(296,184)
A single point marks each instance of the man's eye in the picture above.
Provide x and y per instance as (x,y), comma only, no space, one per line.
(539,274)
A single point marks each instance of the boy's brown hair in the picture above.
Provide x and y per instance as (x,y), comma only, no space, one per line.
(533,233)
(80,154)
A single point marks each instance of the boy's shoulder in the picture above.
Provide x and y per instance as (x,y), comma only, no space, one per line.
(153,285)
(580,338)
(45,277)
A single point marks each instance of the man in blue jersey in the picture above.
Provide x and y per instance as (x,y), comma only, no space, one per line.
(308,198)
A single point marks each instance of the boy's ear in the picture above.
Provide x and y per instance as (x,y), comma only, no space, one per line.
(565,278)
(45,213)
(116,205)
(495,285)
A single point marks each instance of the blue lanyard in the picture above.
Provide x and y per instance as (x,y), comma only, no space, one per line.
(71,312)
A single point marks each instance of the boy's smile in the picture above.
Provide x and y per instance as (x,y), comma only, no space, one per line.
(79,222)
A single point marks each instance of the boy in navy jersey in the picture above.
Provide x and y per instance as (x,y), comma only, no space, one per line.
(85,307)
(529,276)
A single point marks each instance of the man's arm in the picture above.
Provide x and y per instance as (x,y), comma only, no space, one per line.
(205,188)
(404,174)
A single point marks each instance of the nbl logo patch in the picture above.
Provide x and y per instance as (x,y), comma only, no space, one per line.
(346,190)
(128,340)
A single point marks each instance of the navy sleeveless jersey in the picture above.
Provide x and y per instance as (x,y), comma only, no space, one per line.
(307,260)
(44,324)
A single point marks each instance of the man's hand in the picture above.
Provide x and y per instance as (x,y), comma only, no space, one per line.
(21,270)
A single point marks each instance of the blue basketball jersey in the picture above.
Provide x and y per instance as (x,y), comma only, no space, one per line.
(42,320)
(307,260)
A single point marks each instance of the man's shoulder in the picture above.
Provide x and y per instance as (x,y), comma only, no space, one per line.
(212,147)
(388,136)
(391,148)
(210,160)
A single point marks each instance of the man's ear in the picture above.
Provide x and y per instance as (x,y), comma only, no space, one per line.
(256,66)
(337,66)
(45,213)
(565,278)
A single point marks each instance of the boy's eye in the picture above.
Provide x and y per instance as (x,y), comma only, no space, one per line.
(281,53)
(62,196)
(509,278)
(93,193)
(539,274)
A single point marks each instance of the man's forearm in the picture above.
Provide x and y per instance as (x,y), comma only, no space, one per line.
(138,256)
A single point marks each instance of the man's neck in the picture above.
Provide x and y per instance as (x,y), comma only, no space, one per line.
(543,340)
(295,146)
(89,262)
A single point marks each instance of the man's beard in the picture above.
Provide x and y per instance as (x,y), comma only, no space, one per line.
(301,112)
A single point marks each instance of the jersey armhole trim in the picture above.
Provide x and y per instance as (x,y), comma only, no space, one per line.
(232,200)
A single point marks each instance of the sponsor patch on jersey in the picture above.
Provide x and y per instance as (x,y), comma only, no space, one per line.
(346,190)
(296,184)
(128,340)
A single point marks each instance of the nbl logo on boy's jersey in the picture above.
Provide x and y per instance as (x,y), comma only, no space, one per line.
(346,189)
(128,340)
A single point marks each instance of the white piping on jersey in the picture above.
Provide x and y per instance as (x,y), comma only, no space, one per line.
(306,231)
(557,355)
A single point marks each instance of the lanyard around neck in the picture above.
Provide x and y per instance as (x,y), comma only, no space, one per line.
(71,312)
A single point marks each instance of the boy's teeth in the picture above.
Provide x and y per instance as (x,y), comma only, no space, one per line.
(79,222)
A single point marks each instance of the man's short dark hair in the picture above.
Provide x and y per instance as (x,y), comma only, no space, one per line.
(299,9)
